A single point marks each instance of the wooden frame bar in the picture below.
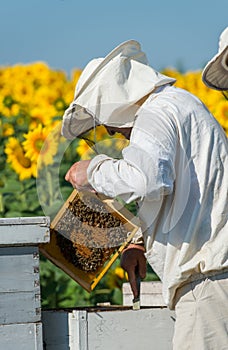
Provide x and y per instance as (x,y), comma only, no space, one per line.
(54,252)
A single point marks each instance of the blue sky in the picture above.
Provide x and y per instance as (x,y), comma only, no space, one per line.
(66,34)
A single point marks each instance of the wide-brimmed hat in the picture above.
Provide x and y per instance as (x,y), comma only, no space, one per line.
(215,74)
(109,88)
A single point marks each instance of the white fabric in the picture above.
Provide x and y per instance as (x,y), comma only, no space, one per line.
(109,88)
(215,73)
(176,166)
(202,315)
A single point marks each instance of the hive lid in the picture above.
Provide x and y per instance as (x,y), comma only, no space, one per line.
(24,230)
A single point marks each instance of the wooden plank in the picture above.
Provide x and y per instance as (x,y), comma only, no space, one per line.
(19,269)
(11,235)
(24,230)
(40,220)
(63,208)
(150,294)
(56,334)
(145,328)
(26,336)
(78,329)
(20,307)
(114,329)
(20,285)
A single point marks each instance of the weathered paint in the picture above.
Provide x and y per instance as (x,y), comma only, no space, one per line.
(23,336)
(24,231)
(114,329)
(20,301)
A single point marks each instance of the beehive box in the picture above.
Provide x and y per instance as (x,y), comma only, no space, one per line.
(87,235)
(20,300)
(109,328)
(150,294)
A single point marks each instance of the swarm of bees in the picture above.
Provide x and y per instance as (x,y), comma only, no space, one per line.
(88,233)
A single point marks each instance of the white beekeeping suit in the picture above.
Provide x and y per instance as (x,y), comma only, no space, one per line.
(171,165)
(175,166)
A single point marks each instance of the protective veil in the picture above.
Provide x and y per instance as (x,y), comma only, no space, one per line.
(109,88)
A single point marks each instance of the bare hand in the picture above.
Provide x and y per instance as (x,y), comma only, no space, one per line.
(77,175)
(133,261)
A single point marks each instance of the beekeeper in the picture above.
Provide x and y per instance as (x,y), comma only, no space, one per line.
(176,168)
(215,74)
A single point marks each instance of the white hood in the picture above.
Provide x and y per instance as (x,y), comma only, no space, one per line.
(215,74)
(109,88)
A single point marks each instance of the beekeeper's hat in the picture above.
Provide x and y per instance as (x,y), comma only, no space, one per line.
(215,74)
(109,88)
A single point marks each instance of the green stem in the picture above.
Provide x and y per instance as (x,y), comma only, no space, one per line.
(50,188)
(1,203)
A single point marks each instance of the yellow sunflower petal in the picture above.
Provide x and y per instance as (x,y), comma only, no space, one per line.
(22,165)
(39,143)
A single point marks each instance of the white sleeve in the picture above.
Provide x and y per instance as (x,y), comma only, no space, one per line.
(147,168)
(116,178)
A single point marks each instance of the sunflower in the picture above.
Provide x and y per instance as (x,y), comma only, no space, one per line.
(75,75)
(23,91)
(121,143)
(221,114)
(7,129)
(43,113)
(22,165)
(40,144)
(8,101)
(84,150)
(116,278)
(60,104)
(120,273)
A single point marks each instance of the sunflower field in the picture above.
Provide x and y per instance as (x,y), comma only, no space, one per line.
(35,158)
